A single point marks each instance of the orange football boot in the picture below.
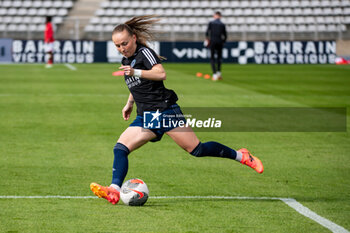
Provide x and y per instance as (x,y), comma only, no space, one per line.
(251,160)
(106,192)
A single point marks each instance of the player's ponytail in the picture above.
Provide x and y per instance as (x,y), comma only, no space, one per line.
(140,26)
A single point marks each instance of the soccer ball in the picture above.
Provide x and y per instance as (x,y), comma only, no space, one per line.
(134,192)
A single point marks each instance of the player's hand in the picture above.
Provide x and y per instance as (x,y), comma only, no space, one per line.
(128,70)
(127,111)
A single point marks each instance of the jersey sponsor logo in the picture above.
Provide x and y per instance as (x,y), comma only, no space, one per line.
(133,63)
(132,81)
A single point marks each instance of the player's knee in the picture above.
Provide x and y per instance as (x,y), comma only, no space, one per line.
(197,151)
(121,146)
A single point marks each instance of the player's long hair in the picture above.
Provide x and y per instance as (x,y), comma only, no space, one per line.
(140,26)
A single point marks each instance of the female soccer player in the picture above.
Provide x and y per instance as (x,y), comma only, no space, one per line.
(144,76)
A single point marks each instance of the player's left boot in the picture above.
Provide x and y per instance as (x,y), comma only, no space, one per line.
(251,160)
(108,193)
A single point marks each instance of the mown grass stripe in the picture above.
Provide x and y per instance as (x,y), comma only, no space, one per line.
(289,201)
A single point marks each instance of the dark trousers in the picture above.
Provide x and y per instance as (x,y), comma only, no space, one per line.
(216,56)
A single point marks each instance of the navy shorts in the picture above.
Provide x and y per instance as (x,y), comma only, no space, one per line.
(176,115)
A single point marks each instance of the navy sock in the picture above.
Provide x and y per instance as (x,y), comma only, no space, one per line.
(120,164)
(213,149)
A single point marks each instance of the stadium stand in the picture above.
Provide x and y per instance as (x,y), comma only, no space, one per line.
(23,19)
(284,18)
(187,19)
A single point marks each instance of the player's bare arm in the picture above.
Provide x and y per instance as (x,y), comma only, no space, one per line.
(157,73)
(128,107)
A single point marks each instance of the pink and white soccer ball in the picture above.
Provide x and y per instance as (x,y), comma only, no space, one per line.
(134,192)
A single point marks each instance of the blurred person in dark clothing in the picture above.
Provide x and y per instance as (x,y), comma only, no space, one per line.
(215,38)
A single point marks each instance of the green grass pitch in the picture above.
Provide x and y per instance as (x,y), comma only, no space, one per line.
(58,128)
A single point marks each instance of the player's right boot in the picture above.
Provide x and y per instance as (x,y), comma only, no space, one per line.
(108,193)
(219,75)
(251,160)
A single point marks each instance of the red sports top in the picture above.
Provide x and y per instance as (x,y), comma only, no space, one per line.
(49,33)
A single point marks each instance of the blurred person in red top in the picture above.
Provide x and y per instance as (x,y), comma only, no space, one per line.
(49,39)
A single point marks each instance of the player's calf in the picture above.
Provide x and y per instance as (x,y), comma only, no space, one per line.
(215,149)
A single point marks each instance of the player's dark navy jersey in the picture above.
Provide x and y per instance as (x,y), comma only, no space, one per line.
(216,31)
(149,95)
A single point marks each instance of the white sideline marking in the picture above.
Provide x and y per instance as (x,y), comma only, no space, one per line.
(61,94)
(312,215)
(289,201)
(69,66)
(44,197)
(215,197)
